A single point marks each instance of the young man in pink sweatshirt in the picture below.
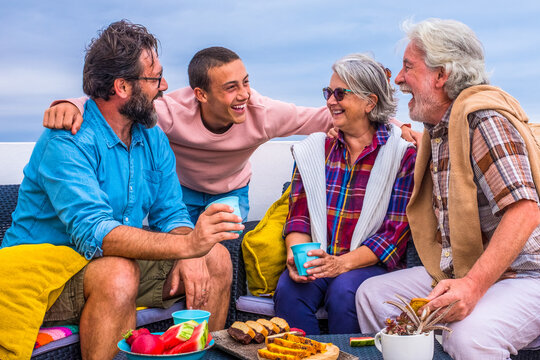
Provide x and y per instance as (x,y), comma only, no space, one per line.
(214,126)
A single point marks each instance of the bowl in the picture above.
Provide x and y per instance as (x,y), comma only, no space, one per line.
(185,315)
(195,355)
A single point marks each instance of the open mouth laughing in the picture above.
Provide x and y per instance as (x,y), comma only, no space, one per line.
(407,90)
(336,112)
(239,108)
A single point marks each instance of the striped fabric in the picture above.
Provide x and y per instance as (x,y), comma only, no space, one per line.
(346,187)
(50,334)
(502,175)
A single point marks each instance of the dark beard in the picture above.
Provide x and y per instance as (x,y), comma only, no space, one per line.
(139,109)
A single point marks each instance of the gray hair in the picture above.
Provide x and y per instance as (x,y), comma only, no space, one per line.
(364,76)
(454,46)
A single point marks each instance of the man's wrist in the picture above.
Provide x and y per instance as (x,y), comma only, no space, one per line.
(476,285)
(182,230)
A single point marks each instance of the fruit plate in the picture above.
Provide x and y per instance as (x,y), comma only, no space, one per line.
(227,344)
(195,355)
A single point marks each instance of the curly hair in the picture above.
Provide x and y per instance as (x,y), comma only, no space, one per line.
(115,54)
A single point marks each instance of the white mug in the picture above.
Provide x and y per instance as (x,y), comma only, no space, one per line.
(405,347)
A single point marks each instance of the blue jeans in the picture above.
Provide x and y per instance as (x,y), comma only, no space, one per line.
(298,302)
(196,201)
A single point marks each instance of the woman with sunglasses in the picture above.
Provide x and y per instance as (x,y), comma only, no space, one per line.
(348,193)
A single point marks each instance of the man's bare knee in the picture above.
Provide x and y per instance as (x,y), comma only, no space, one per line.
(113,278)
(219,263)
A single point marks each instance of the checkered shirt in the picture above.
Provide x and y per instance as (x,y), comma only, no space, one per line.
(502,176)
(346,185)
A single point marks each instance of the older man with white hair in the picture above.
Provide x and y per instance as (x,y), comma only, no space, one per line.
(474,213)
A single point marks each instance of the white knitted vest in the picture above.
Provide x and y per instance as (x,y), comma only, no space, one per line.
(310,160)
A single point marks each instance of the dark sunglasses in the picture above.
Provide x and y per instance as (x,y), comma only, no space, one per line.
(339,93)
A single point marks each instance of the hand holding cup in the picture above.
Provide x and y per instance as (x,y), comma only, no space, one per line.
(231,201)
(300,253)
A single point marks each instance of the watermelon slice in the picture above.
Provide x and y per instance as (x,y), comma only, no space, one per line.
(196,342)
(299,331)
(178,334)
(361,341)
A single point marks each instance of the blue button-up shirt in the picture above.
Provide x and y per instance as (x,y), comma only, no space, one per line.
(76,189)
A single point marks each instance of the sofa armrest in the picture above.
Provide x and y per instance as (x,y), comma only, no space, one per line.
(239,282)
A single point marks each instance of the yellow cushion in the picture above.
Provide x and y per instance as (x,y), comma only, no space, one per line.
(31,278)
(264,249)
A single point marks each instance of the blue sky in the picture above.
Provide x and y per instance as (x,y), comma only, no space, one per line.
(288,46)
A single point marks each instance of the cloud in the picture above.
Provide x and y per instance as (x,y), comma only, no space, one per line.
(288,46)
(29,80)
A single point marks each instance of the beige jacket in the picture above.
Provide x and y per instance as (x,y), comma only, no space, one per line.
(466,237)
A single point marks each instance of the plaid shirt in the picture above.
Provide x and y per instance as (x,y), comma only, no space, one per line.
(502,176)
(346,186)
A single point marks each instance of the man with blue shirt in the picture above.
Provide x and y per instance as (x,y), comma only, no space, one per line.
(91,192)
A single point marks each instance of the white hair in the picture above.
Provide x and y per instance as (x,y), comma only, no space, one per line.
(452,45)
(364,76)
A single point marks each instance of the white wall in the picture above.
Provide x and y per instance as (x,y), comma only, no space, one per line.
(13,158)
(271,164)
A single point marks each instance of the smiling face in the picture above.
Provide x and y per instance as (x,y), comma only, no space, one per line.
(224,104)
(350,114)
(139,108)
(152,69)
(429,101)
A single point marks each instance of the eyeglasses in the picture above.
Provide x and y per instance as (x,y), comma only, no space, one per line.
(158,79)
(339,93)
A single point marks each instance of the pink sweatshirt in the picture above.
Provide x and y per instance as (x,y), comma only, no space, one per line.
(219,163)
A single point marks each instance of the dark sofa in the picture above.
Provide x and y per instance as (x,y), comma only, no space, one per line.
(68,348)
(159,319)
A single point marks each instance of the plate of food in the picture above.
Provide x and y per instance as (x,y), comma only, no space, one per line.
(272,339)
(297,347)
(185,341)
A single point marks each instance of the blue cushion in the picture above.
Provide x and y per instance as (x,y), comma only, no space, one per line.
(265,306)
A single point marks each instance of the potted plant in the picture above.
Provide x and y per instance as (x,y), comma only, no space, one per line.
(410,336)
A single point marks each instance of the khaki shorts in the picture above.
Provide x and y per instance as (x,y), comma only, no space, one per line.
(68,307)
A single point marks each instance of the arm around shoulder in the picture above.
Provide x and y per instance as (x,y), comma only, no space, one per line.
(286,119)
(406,132)
(65,114)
